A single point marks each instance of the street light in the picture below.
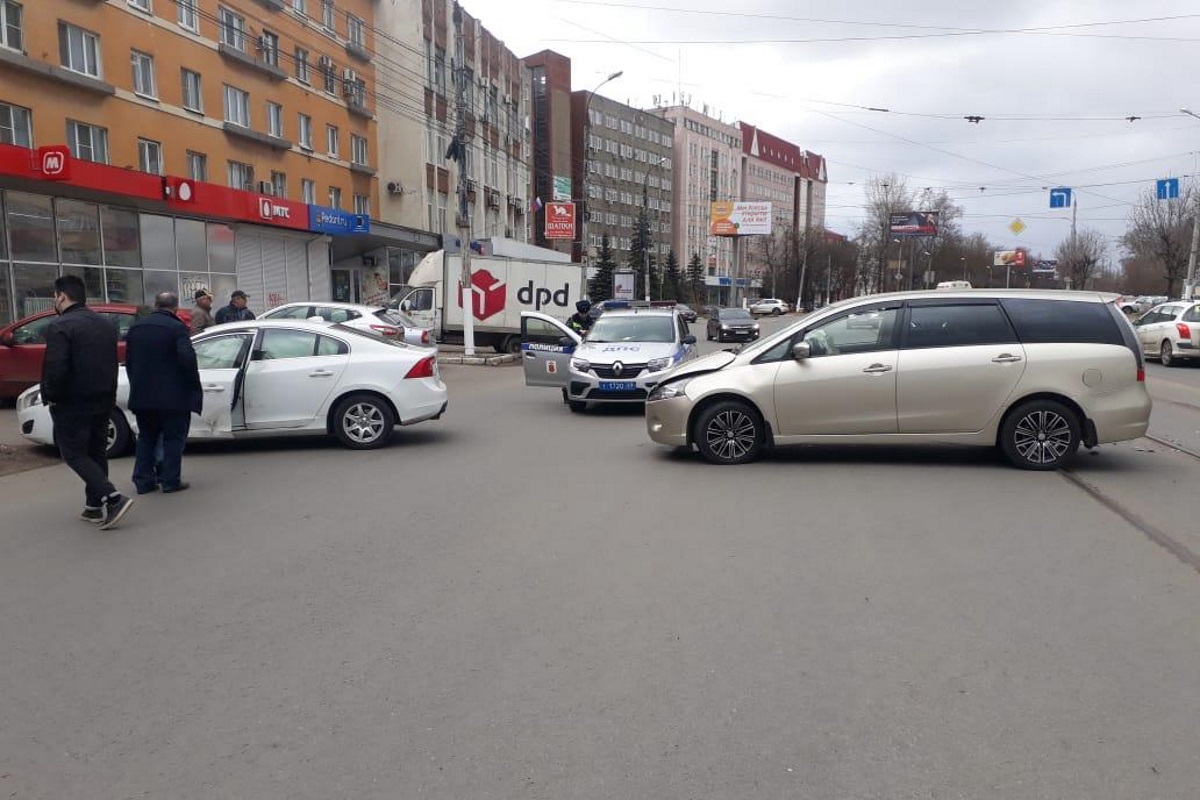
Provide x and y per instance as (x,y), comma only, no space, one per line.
(646,214)
(587,201)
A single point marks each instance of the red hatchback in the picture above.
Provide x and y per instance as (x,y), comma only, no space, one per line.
(23,345)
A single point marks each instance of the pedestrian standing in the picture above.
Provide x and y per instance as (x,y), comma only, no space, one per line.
(164,392)
(202,312)
(236,311)
(79,384)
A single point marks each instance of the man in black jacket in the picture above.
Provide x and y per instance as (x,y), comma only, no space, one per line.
(236,311)
(79,384)
(164,391)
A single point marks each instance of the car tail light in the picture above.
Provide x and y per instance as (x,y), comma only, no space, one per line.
(385,330)
(1141,374)
(424,336)
(1184,331)
(424,368)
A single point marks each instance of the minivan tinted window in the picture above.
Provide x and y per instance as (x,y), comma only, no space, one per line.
(957,326)
(1061,321)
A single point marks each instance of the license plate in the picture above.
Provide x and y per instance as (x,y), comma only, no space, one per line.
(617,386)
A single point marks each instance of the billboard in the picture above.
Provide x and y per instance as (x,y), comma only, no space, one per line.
(1047,266)
(560,220)
(1009,258)
(727,218)
(623,285)
(913,223)
(562,187)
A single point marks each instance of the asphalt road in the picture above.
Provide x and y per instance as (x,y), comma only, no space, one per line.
(520,602)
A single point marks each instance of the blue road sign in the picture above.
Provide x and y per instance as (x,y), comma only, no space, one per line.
(1167,188)
(1060,197)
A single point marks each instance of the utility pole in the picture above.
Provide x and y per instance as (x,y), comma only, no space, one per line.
(1189,286)
(458,152)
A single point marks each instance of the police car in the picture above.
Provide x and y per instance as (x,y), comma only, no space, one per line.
(619,360)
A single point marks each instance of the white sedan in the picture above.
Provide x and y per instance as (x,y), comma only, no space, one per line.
(768,305)
(288,377)
(383,321)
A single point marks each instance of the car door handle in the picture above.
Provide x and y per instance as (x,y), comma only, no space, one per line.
(1006,358)
(212,387)
(320,373)
(877,369)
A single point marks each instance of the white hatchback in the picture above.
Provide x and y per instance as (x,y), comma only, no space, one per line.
(1170,332)
(288,377)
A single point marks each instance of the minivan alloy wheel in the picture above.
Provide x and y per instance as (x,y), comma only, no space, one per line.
(729,433)
(1041,435)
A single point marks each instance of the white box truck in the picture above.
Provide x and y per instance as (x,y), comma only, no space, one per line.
(501,288)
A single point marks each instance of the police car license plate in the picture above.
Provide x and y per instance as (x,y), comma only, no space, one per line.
(617,386)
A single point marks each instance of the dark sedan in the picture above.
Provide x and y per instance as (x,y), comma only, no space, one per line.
(686,312)
(732,325)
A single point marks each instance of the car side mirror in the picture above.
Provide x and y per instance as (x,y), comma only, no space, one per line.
(7,339)
(801,350)
(689,339)
(406,306)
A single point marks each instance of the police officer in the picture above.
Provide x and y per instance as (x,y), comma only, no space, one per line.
(581,320)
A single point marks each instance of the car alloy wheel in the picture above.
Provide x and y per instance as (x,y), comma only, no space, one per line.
(775,312)
(363,422)
(730,432)
(118,437)
(1040,435)
(1166,354)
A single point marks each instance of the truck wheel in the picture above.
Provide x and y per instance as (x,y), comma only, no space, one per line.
(509,344)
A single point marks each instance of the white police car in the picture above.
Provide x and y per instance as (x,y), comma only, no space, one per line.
(620,359)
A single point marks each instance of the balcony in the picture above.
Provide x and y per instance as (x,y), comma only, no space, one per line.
(358,108)
(273,5)
(55,73)
(274,142)
(356,50)
(362,169)
(245,59)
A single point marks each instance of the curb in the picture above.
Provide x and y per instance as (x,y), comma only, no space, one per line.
(478,361)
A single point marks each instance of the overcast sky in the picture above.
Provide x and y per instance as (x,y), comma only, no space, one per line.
(1053,100)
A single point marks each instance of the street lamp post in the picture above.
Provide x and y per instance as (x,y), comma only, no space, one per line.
(1189,287)
(587,201)
(647,238)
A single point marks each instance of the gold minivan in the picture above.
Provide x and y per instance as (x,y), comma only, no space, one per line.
(1035,373)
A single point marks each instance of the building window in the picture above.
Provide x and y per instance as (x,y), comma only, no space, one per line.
(141,5)
(439,70)
(301,65)
(308,191)
(275,119)
(79,49)
(11,35)
(327,15)
(300,7)
(88,142)
(335,197)
(16,126)
(237,106)
(268,45)
(362,204)
(193,97)
(358,149)
(306,128)
(233,28)
(241,176)
(197,166)
(356,30)
(150,156)
(441,213)
(331,140)
(279,184)
(329,75)
(143,74)
(189,15)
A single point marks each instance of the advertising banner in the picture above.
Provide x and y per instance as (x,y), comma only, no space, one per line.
(560,221)
(1047,266)
(914,223)
(562,187)
(727,218)
(1009,258)
(623,285)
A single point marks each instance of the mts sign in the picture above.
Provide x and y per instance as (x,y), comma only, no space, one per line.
(54,162)
(560,220)
(268,209)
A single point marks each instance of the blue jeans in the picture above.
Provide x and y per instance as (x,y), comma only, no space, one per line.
(161,438)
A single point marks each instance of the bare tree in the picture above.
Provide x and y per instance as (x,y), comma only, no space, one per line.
(1079,257)
(886,195)
(1161,231)
(773,251)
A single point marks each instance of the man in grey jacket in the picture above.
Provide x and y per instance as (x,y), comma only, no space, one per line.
(202,312)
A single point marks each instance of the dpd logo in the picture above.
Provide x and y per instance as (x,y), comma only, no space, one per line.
(488,294)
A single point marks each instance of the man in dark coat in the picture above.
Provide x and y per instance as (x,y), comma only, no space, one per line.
(79,384)
(236,311)
(164,391)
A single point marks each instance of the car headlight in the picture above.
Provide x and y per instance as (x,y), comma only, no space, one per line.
(756,326)
(658,364)
(32,399)
(724,327)
(580,364)
(668,391)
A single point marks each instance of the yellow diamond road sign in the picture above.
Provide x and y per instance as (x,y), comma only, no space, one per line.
(1016,226)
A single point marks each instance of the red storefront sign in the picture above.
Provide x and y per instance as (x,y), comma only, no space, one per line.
(560,220)
(54,162)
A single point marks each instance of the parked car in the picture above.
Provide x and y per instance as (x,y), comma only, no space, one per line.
(383,321)
(23,345)
(1170,332)
(769,305)
(285,377)
(686,312)
(1128,304)
(731,324)
(1035,373)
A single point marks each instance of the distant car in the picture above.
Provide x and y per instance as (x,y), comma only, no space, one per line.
(1170,332)
(383,321)
(768,305)
(1128,304)
(284,377)
(23,344)
(731,324)
(686,312)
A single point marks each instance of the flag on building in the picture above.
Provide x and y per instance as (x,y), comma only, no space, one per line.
(536,205)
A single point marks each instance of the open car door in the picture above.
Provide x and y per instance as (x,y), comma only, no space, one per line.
(547,345)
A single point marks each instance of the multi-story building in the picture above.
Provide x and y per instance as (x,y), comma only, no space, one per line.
(708,168)
(205,142)
(554,153)
(495,135)
(628,166)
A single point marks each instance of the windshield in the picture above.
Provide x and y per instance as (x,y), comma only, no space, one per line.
(735,313)
(630,328)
